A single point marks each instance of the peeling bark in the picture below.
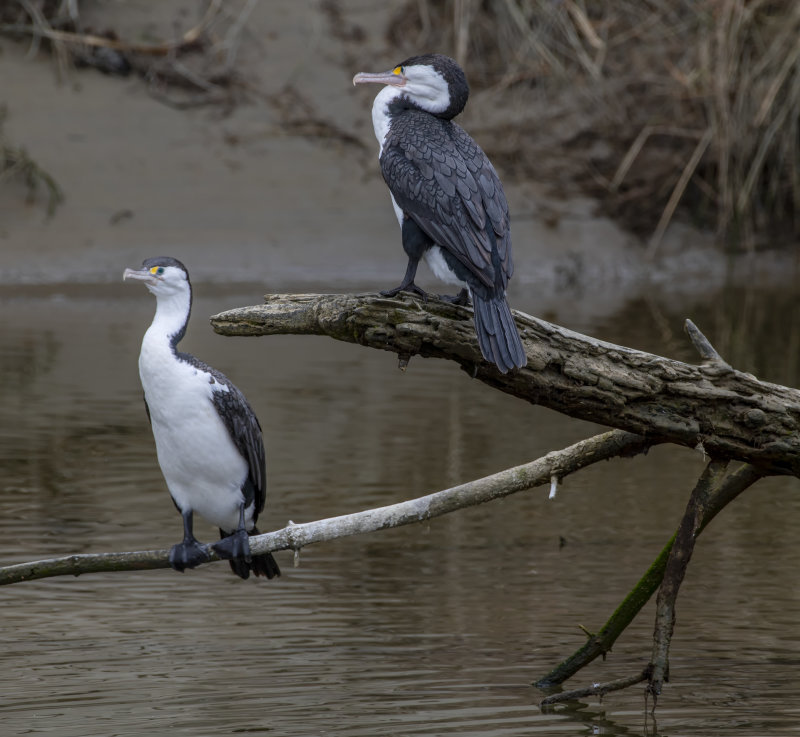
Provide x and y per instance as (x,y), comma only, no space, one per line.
(725,413)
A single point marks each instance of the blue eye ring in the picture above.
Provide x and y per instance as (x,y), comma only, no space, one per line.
(160,270)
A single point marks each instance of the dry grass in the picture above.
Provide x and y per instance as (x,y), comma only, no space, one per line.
(189,68)
(673,106)
(16,164)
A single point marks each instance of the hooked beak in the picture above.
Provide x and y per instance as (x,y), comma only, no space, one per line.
(396,80)
(140,275)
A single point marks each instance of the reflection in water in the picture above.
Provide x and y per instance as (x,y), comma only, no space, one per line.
(427,630)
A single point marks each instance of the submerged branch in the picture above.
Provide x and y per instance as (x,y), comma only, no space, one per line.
(295,536)
(677,563)
(600,643)
(726,413)
(596,689)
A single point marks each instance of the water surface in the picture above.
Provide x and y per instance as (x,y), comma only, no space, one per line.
(432,629)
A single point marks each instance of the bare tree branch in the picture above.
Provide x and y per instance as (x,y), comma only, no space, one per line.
(677,563)
(726,413)
(596,689)
(294,537)
(722,494)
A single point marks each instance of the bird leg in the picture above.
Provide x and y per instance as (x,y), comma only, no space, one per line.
(462,298)
(407,285)
(190,553)
(237,544)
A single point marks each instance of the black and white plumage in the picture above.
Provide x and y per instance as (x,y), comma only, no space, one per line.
(208,439)
(447,196)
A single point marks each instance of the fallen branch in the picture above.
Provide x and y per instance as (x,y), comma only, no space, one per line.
(296,536)
(725,413)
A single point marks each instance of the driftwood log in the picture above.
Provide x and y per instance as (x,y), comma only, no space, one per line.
(727,414)
(724,412)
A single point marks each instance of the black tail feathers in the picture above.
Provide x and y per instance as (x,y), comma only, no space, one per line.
(498,337)
(261,565)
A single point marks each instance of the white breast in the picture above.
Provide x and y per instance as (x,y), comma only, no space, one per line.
(435,260)
(203,468)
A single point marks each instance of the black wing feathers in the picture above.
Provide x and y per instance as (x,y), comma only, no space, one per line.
(244,429)
(444,182)
(442,179)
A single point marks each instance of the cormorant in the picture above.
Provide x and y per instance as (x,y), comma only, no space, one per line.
(208,439)
(447,196)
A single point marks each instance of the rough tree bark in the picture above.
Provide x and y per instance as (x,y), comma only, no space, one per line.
(727,414)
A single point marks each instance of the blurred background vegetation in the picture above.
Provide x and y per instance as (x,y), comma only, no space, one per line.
(656,108)
(671,105)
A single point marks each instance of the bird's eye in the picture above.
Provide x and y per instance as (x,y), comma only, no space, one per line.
(157,270)
(398,70)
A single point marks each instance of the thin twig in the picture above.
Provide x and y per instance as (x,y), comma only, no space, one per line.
(234,33)
(677,192)
(596,689)
(638,144)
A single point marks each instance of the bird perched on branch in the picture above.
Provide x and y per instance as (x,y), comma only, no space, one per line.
(447,196)
(208,439)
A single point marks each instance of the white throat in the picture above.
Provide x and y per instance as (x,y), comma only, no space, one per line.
(171,313)
(380,113)
(424,86)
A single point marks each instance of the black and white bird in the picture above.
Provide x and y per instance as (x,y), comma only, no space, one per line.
(447,196)
(208,439)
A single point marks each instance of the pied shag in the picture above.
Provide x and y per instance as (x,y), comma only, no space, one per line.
(447,196)
(208,440)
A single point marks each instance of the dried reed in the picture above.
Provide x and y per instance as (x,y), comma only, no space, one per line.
(682,106)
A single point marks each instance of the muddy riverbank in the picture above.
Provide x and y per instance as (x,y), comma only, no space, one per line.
(282,186)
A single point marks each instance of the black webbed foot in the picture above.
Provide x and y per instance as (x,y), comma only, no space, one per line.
(462,298)
(406,287)
(235,546)
(188,554)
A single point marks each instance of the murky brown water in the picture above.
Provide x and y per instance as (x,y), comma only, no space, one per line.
(434,629)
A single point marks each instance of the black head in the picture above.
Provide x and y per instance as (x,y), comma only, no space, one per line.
(434,83)
(452,74)
(164,261)
(163,276)
(168,279)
